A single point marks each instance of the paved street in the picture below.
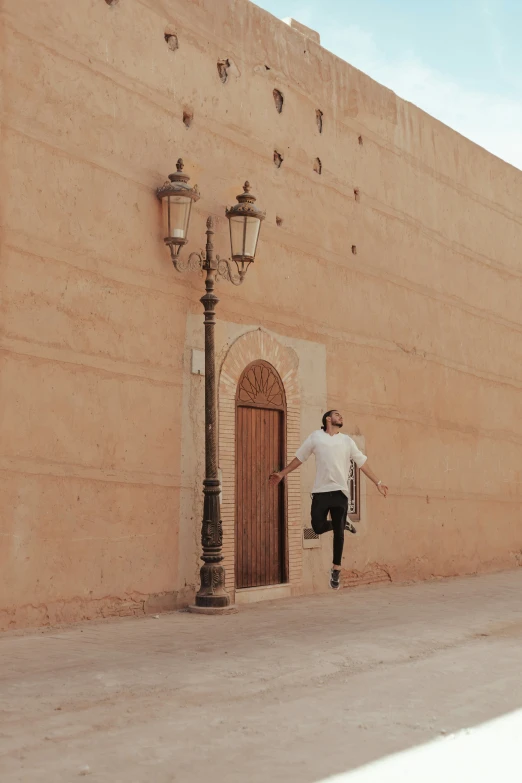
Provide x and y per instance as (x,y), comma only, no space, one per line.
(295,690)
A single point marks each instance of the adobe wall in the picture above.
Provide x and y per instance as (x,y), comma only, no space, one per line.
(420,325)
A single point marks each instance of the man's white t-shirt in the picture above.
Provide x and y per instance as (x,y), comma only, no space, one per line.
(332,460)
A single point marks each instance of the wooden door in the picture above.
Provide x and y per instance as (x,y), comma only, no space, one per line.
(260,449)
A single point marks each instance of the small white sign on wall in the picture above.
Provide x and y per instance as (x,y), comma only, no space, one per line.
(198,362)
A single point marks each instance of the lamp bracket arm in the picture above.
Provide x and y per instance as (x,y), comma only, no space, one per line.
(192,263)
(225,271)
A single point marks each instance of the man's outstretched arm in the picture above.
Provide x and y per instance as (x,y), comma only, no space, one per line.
(275,478)
(383,489)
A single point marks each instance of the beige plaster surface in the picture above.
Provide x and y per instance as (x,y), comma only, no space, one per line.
(420,330)
(289,691)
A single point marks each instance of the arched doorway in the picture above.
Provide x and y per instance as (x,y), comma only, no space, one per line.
(260,450)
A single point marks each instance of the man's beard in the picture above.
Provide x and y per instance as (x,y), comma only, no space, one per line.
(338,425)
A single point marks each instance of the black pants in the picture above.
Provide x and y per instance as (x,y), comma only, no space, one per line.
(337,504)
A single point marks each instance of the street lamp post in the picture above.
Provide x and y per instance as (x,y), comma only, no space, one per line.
(245,222)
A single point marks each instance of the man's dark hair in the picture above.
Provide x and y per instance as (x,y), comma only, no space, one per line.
(326,415)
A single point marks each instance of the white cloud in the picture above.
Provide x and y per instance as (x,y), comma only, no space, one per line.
(303,15)
(493,121)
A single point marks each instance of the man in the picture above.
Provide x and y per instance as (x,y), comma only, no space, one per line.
(333,452)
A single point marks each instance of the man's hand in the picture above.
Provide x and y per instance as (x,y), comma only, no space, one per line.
(383,489)
(276,478)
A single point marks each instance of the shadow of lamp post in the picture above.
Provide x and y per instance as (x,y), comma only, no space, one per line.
(177,197)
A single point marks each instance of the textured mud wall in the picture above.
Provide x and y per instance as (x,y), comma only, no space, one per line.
(389,239)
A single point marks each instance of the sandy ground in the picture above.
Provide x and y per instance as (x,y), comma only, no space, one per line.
(293,690)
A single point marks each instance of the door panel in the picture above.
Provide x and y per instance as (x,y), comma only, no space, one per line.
(260,538)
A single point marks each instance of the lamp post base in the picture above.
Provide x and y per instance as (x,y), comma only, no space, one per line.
(230,609)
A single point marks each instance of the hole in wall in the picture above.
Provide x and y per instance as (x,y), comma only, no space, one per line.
(267,67)
(278,159)
(319,119)
(111,2)
(318,166)
(223,66)
(188,116)
(279,221)
(171,38)
(354,249)
(278,100)
(360,139)
(356,194)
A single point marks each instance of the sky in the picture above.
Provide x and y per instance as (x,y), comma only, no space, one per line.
(458,60)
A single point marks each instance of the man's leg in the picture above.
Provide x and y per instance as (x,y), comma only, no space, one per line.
(319,512)
(338,514)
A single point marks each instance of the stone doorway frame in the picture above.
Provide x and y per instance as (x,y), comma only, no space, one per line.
(248,348)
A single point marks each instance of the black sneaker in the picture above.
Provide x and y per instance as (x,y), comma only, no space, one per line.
(348,526)
(335,579)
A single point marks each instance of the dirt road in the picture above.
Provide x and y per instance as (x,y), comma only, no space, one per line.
(295,690)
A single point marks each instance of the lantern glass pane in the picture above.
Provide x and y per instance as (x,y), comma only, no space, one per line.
(244,233)
(176,215)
